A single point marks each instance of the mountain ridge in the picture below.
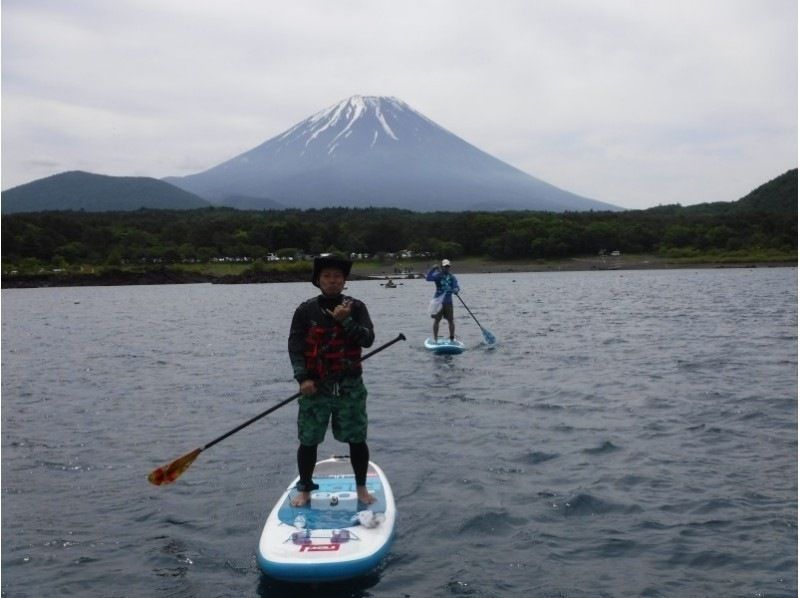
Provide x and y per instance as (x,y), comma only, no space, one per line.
(80,190)
(776,195)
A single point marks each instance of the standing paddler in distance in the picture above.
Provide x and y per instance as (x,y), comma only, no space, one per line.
(325,340)
(446,285)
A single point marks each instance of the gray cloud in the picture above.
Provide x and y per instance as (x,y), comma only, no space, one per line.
(632,103)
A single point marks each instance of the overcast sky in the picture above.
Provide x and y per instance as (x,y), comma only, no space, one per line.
(632,102)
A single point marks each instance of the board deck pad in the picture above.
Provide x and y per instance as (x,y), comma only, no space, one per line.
(336,479)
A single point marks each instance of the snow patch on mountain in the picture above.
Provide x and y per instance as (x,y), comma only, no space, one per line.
(340,120)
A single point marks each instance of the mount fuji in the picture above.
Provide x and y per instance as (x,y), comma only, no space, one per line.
(369,151)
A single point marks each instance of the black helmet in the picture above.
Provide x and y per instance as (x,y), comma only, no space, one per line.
(331,261)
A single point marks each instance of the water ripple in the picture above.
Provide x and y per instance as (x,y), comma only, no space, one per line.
(631,434)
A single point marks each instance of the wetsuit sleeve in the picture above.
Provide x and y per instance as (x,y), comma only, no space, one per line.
(297,344)
(358,325)
(433,275)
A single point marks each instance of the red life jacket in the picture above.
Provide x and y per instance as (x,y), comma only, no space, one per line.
(330,352)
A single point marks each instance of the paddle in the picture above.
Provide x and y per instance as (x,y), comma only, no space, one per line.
(170,473)
(487,336)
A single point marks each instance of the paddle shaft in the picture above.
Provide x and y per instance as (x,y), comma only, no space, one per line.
(171,472)
(470,311)
(252,420)
(487,336)
(400,337)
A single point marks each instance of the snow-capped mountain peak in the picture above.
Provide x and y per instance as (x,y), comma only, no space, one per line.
(377,151)
(366,117)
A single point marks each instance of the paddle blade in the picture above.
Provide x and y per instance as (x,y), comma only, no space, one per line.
(488,337)
(170,473)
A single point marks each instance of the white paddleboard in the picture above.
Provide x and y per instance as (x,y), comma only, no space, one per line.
(444,346)
(335,536)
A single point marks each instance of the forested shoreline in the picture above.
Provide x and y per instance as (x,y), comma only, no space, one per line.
(763,224)
(115,238)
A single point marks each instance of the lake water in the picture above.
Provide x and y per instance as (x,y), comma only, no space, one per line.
(633,433)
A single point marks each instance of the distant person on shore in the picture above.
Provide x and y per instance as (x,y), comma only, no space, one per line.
(446,285)
(325,339)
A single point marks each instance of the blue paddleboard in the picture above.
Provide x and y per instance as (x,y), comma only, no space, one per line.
(444,346)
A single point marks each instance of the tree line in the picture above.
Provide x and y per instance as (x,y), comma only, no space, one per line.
(167,236)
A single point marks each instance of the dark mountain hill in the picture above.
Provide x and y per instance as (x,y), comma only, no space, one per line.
(777,195)
(76,190)
(377,151)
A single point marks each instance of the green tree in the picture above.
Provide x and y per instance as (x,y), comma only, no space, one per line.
(679,235)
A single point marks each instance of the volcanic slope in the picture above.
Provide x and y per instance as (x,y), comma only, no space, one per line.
(377,151)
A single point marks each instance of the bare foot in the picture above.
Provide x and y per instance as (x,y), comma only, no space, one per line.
(364,496)
(301,499)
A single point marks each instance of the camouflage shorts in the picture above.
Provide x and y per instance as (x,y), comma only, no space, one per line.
(347,413)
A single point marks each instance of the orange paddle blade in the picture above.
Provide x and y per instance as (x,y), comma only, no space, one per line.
(170,473)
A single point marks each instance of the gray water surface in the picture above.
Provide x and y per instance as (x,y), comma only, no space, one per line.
(633,433)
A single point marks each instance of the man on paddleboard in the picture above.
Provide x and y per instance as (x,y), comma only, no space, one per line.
(325,339)
(446,285)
